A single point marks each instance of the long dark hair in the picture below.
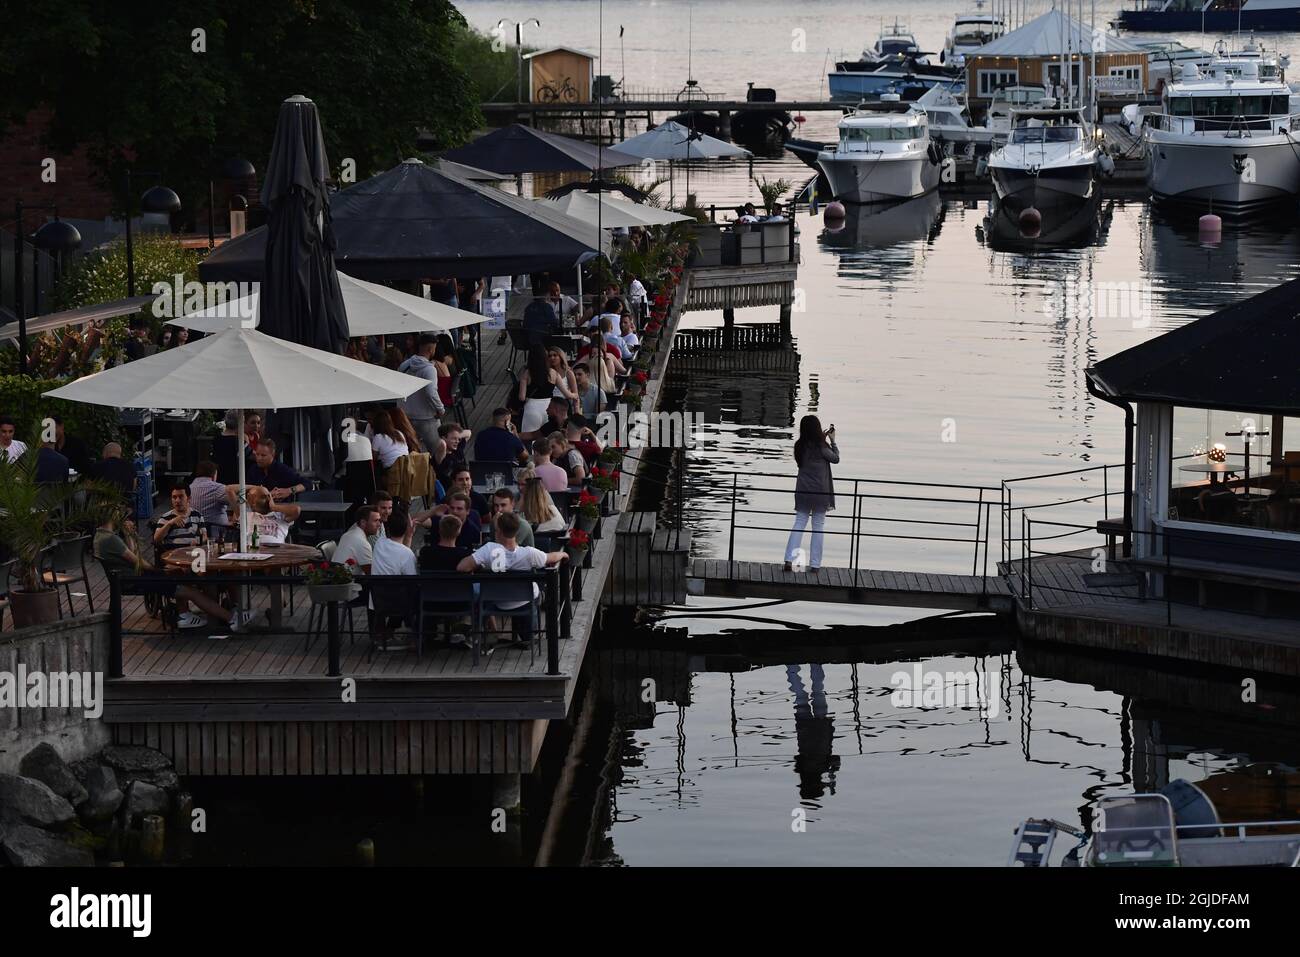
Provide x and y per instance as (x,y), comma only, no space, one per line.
(539,370)
(810,434)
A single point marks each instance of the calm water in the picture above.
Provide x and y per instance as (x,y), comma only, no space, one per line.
(912,318)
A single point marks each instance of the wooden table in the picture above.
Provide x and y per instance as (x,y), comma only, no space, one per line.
(283,557)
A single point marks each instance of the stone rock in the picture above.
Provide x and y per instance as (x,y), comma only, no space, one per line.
(32,801)
(27,846)
(44,764)
(145,798)
(133,762)
(103,795)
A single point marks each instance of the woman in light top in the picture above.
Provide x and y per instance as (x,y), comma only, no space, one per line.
(536,505)
(387,440)
(814,490)
(557,360)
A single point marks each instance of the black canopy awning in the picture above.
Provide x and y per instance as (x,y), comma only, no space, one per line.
(518,149)
(418,220)
(1245,358)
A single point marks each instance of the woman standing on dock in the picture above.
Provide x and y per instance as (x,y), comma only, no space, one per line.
(814,490)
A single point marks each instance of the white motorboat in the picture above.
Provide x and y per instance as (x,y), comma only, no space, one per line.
(948,119)
(895,64)
(1226,137)
(970,32)
(884,154)
(1177,827)
(1049,162)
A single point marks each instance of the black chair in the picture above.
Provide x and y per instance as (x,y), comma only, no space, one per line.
(492,594)
(481,471)
(63,565)
(519,341)
(394,600)
(449,600)
(6,571)
(565,501)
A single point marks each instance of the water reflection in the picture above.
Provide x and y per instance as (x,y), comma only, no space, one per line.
(814,729)
(881,226)
(1074,227)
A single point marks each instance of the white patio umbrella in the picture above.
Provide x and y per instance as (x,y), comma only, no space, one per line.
(241,369)
(372,310)
(613,213)
(671,141)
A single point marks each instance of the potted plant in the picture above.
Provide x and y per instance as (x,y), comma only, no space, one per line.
(32,516)
(605,479)
(578,546)
(611,455)
(588,511)
(327,582)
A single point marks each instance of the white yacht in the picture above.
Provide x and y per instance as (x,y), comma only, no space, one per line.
(884,154)
(1008,99)
(948,119)
(970,32)
(1225,137)
(1049,162)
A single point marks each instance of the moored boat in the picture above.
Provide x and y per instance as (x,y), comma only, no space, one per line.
(884,154)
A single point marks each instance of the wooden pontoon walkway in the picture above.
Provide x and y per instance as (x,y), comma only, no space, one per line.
(722,578)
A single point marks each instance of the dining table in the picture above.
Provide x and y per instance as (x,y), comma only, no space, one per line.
(279,559)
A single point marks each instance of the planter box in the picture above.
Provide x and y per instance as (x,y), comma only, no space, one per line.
(320,594)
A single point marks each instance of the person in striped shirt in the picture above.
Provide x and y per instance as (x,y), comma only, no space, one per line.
(181,526)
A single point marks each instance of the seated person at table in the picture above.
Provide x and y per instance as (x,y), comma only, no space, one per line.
(591,399)
(499,442)
(613,339)
(72,448)
(266,470)
(113,468)
(462,480)
(503,503)
(50,465)
(612,310)
(557,414)
(387,439)
(445,555)
(537,506)
(506,554)
(541,319)
(115,555)
(627,330)
(553,477)
(354,544)
(451,454)
(384,505)
(457,505)
(567,458)
(209,497)
(11,448)
(392,553)
(272,519)
(603,359)
(583,439)
(181,526)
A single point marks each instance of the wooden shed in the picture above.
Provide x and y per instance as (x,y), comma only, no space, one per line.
(560,75)
(1044,49)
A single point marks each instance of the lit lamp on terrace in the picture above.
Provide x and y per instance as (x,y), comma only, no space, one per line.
(1217,453)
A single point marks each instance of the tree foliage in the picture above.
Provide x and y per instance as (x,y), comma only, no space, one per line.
(136,81)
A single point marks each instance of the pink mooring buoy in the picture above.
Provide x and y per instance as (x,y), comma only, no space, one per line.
(834,210)
(1210,226)
(1031,220)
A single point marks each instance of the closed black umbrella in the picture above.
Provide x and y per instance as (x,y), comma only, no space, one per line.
(300,296)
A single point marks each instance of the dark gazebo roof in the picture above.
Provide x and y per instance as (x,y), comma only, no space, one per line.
(422,220)
(517,149)
(1245,358)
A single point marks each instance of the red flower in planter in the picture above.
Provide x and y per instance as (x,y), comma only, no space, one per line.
(578,538)
(586,498)
(653,327)
(640,376)
(598,472)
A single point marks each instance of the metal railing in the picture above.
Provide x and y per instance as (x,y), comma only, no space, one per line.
(559,592)
(880,509)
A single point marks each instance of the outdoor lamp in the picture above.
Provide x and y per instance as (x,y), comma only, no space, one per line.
(1219,453)
(57,236)
(158,204)
(237,168)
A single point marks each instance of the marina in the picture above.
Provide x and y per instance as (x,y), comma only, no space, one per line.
(1038,264)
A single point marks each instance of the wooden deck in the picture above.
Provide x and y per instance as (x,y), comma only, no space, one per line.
(1069,605)
(721,578)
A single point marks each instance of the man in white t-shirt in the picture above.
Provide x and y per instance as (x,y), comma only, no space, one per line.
(354,544)
(11,449)
(507,555)
(393,556)
(272,519)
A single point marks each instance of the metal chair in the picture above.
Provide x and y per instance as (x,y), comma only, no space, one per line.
(394,600)
(63,564)
(450,600)
(492,594)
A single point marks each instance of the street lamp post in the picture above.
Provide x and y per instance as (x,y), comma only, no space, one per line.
(156,199)
(56,236)
(233,170)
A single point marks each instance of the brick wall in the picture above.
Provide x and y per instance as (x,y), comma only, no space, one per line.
(75,190)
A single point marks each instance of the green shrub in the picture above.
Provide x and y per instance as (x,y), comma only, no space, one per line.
(21,398)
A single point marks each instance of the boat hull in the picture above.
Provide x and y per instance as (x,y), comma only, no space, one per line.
(1206,173)
(1216,21)
(845,85)
(880,179)
(1050,190)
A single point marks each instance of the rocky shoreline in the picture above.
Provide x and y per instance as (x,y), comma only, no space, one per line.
(116,807)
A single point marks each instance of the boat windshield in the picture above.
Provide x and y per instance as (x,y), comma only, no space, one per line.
(876,134)
(970,36)
(1277,104)
(1046,134)
(904,45)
